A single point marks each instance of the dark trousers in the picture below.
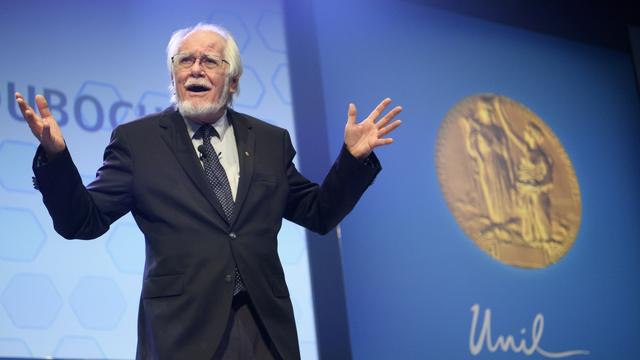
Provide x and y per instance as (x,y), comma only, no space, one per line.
(245,337)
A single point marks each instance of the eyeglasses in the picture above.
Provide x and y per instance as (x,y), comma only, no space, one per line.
(208,61)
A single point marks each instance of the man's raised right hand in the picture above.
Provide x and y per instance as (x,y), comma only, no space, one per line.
(44,127)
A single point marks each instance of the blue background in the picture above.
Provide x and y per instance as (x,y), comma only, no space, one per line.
(411,275)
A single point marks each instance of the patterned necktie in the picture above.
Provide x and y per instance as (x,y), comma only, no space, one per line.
(219,183)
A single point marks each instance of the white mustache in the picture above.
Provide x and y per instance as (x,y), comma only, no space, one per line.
(197,82)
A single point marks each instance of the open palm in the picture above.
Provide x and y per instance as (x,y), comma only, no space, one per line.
(44,127)
(361,138)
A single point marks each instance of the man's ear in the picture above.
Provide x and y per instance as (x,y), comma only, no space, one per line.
(233,86)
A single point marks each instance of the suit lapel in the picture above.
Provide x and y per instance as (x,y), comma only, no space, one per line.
(176,137)
(245,142)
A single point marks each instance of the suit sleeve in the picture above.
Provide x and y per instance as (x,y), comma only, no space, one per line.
(86,213)
(320,208)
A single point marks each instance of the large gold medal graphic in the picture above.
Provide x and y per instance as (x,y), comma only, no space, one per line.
(508,181)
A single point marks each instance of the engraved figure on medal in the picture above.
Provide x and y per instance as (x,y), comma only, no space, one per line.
(508,181)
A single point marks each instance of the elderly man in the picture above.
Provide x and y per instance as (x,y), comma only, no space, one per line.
(209,188)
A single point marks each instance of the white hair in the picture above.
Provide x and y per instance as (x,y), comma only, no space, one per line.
(231,55)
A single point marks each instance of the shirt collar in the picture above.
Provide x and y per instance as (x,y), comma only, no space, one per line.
(221,125)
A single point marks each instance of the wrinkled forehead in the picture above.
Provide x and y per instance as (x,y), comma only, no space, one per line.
(201,41)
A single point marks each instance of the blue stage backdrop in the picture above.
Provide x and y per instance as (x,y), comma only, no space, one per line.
(101,64)
(414,278)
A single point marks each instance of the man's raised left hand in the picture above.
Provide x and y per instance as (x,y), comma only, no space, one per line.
(361,138)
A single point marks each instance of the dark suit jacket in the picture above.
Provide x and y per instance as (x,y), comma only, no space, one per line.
(151,169)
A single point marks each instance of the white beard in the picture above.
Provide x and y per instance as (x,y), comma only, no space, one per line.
(190,110)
